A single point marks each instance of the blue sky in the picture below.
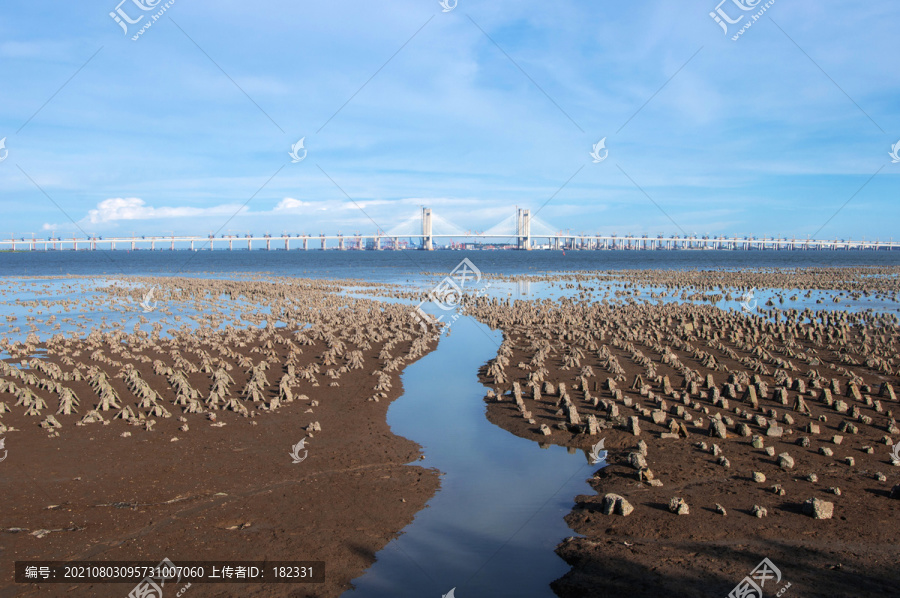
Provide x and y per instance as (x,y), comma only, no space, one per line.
(785,131)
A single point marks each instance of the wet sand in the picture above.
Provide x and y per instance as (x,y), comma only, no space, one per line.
(122,488)
(742,418)
(211,478)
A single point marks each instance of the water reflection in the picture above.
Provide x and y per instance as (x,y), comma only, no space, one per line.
(492,527)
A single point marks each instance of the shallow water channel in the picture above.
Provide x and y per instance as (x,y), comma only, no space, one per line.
(492,527)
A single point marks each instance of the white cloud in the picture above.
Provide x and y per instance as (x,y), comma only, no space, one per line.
(289,203)
(134,208)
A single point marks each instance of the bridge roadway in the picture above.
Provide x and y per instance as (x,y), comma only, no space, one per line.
(384,241)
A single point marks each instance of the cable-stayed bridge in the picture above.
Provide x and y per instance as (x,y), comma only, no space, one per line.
(520,230)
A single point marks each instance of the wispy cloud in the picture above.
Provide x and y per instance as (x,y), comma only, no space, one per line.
(153,134)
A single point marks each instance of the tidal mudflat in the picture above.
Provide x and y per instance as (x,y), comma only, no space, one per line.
(737,430)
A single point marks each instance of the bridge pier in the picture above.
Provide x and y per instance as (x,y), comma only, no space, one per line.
(305,243)
(427,235)
(323,242)
(340,242)
(523,229)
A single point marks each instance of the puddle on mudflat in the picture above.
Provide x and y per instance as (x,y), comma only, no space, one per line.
(492,527)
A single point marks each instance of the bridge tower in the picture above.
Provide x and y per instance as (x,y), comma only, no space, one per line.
(523,228)
(427,234)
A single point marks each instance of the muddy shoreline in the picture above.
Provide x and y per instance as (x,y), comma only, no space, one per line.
(216,484)
(659,360)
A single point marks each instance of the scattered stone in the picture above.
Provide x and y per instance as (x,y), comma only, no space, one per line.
(818,509)
(642,447)
(678,506)
(616,504)
(718,429)
(637,461)
(759,477)
(721,510)
(759,511)
(634,425)
(785,461)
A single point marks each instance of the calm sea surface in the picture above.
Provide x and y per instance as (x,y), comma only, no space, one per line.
(402,266)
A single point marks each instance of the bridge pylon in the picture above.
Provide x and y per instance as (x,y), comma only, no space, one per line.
(427,231)
(523,228)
